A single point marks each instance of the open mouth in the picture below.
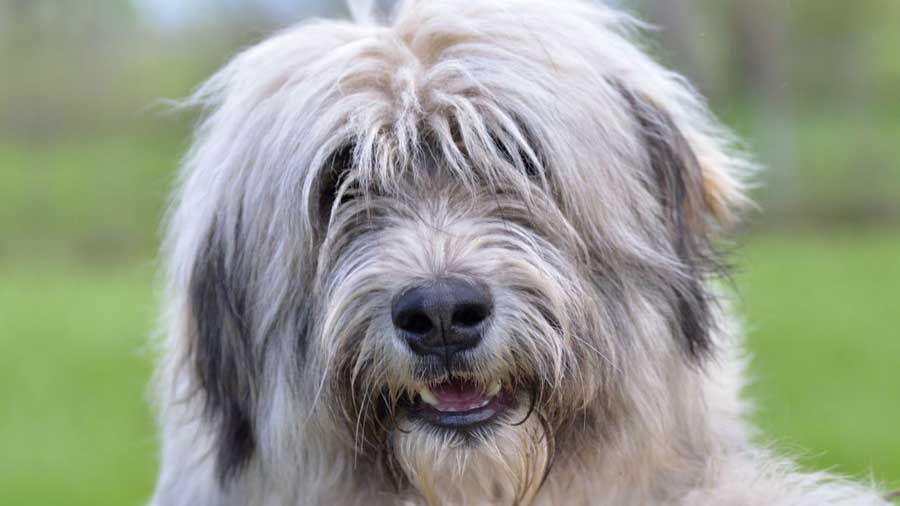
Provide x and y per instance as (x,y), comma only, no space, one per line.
(459,404)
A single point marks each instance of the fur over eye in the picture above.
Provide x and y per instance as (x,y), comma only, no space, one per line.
(334,186)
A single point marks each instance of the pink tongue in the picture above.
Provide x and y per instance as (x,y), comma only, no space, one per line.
(457,395)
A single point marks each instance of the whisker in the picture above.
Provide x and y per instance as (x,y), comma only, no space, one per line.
(533,394)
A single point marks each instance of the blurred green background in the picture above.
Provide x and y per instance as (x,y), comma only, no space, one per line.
(87,154)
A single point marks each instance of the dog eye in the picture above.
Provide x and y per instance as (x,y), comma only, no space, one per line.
(519,156)
(531,170)
(333,180)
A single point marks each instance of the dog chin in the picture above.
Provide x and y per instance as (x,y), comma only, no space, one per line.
(493,451)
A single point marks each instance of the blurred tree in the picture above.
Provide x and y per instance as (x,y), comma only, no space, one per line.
(679,23)
(760,48)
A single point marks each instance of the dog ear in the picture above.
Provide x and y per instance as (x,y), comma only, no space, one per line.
(694,200)
(221,352)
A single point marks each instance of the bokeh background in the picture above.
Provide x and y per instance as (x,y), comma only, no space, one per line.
(87,154)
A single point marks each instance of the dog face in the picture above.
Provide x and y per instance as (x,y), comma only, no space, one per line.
(444,253)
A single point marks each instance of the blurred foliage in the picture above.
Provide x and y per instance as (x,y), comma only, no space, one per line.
(97,198)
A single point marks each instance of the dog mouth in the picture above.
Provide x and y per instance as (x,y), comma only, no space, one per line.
(460,404)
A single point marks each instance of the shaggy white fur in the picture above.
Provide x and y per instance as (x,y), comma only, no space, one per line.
(527,146)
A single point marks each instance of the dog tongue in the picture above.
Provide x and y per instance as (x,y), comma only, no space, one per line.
(458,395)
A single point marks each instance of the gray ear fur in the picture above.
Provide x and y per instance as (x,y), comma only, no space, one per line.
(222,354)
(677,180)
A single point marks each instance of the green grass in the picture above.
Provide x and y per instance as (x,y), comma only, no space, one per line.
(823,319)
(76,428)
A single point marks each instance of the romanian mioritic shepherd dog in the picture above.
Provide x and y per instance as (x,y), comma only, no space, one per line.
(461,254)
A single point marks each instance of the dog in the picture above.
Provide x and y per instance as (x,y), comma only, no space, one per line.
(464,254)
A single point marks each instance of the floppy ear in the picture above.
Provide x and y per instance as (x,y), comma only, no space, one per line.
(696,197)
(221,351)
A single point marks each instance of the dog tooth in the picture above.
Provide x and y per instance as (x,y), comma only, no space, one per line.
(494,389)
(427,396)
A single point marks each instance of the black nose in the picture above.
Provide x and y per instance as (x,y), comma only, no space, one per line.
(443,317)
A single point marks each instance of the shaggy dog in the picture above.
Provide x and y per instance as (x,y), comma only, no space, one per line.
(462,257)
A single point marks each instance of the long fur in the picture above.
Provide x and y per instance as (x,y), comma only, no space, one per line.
(531,147)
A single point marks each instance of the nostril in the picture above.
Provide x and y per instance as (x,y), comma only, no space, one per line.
(469,315)
(414,322)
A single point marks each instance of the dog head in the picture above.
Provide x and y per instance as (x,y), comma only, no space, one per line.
(439,253)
